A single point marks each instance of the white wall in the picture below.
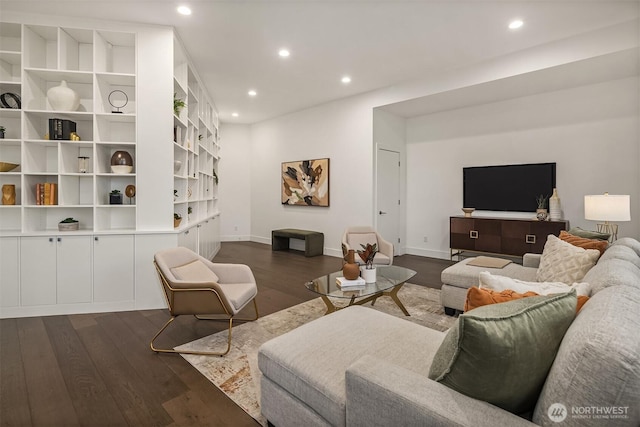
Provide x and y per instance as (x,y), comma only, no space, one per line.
(343,131)
(234,188)
(591,132)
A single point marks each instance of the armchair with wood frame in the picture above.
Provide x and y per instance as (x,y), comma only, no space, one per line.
(356,236)
(196,286)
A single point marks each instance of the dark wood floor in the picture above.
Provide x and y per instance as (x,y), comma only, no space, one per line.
(97,369)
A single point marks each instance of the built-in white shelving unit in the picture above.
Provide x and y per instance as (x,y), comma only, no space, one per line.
(107,264)
(94,64)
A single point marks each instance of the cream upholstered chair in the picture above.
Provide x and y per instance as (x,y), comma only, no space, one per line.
(207,290)
(354,237)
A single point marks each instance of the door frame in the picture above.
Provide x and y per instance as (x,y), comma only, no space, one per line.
(399,248)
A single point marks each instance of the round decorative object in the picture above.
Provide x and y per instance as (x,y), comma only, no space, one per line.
(468,211)
(130,191)
(177,164)
(121,162)
(10,100)
(63,98)
(118,99)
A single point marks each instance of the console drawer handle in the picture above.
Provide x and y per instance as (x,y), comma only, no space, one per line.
(530,238)
(473,234)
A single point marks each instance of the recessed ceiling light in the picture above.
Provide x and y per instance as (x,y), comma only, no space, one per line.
(234,114)
(514,25)
(252,92)
(346,80)
(184,10)
(284,53)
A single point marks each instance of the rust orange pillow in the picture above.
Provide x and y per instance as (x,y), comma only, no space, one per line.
(477,297)
(584,243)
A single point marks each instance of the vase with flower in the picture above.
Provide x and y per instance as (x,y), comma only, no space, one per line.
(367,254)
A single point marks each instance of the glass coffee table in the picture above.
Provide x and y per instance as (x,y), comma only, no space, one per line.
(389,281)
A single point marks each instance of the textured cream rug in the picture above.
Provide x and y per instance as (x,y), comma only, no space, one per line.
(237,374)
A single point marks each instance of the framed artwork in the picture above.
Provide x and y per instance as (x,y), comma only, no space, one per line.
(305,183)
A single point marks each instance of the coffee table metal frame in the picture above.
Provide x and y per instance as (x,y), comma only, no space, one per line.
(389,281)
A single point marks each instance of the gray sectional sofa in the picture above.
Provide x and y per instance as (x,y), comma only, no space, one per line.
(360,367)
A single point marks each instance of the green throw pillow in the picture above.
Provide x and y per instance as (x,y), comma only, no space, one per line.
(501,353)
(577,231)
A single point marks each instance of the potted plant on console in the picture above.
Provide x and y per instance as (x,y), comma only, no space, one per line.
(542,213)
(367,254)
(115,197)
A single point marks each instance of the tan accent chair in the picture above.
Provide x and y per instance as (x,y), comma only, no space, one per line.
(211,291)
(355,236)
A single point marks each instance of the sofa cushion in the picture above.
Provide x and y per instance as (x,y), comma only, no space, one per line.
(587,234)
(581,242)
(462,275)
(501,283)
(563,262)
(612,272)
(501,353)
(194,271)
(310,361)
(477,297)
(597,364)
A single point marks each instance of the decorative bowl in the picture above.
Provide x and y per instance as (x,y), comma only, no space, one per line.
(121,169)
(7,167)
(468,211)
(68,226)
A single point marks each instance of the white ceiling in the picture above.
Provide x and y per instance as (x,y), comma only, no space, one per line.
(234,43)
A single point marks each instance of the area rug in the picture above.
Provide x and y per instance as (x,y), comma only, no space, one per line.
(237,374)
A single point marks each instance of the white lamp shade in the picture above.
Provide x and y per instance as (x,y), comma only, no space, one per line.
(607,207)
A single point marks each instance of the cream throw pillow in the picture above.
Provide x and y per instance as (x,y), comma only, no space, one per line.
(503,283)
(563,262)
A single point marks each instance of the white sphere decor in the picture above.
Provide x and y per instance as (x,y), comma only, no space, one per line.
(63,98)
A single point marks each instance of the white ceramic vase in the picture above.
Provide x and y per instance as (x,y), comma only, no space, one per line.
(368,274)
(555,210)
(63,98)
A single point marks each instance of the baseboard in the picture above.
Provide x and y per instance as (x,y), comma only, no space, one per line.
(235,238)
(428,253)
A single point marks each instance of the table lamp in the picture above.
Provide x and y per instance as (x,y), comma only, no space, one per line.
(607,207)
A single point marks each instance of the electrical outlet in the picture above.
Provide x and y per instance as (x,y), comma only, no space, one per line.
(426,239)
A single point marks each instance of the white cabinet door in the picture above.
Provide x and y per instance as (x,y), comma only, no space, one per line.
(38,273)
(73,269)
(55,270)
(9,268)
(189,239)
(113,268)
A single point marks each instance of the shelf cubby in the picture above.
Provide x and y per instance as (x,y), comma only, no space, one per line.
(10,37)
(106,84)
(10,66)
(76,49)
(103,153)
(115,52)
(75,190)
(42,43)
(39,81)
(36,123)
(120,128)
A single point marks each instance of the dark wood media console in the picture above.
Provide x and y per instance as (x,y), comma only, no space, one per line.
(504,236)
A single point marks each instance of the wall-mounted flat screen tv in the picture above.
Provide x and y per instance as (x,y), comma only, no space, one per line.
(507,187)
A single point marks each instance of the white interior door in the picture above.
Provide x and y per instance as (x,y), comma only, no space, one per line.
(388,195)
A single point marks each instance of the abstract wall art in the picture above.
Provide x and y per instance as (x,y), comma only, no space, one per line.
(305,182)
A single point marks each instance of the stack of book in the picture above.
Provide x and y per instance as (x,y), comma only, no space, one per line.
(46,193)
(345,284)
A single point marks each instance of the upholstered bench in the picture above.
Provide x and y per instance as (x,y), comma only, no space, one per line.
(458,278)
(313,240)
